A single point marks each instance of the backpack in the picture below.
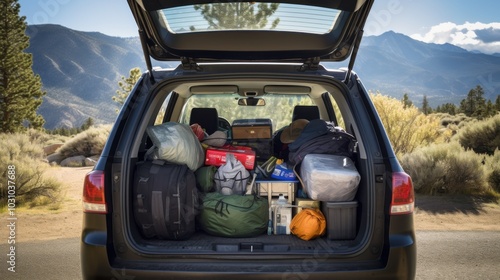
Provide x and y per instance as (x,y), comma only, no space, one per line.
(333,142)
(234,215)
(165,200)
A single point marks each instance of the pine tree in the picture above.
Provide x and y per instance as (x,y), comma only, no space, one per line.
(406,101)
(474,105)
(87,124)
(489,109)
(426,109)
(20,89)
(449,108)
(126,85)
(497,103)
(237,15)
(480,112)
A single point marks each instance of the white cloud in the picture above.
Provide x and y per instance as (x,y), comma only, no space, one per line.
(483,37)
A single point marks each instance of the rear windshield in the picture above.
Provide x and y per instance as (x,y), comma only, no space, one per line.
(249,16)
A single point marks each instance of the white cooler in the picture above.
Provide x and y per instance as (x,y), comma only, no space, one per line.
(329,177)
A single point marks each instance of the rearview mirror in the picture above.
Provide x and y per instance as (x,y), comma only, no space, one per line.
(251,101)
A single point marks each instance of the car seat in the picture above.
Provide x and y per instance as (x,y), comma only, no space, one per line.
(305,112)
(207,118)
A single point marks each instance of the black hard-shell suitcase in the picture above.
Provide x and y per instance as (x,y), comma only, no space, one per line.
(165,200)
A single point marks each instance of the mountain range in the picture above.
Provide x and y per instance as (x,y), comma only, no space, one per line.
(395,64)
(80,71)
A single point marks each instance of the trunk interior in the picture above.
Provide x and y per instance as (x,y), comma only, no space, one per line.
(202,243)
(361,218)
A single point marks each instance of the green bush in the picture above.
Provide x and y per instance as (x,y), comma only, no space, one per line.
(446,168)
(483,136)
(87,143)
(26,156)
(451,124)
(493,170)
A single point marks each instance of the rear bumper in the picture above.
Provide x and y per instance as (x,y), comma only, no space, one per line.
(93,249)
(401,264)
(98,260)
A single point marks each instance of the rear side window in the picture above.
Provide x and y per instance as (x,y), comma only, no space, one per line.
(336,109)
(161,114)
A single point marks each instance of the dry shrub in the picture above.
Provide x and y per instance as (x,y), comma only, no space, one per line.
(483,136)
(459,119)
(493,170)
(87,143)
(446,168)
(27,156)
(407,128)
(44,138)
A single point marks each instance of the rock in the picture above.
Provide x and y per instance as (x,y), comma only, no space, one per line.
(90,161)
(48,150)
(54,158)
(76,161)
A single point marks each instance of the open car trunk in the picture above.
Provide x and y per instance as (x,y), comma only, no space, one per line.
(202,243)
(166,99)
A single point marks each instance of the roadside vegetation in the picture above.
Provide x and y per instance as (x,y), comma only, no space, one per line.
(25,154)
(25,151)
(450,150)
(88,143)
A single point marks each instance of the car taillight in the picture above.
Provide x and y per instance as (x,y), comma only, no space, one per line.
(93,193)
(402,194)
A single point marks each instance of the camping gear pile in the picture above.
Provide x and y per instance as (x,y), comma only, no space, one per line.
(190,179)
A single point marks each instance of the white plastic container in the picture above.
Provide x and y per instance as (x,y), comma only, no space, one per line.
(282,215)
(329,177)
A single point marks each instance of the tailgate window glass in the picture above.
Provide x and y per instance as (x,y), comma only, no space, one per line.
(249,16)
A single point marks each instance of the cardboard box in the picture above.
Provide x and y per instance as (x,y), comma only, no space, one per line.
(304,203)
(275,188)
(217,156)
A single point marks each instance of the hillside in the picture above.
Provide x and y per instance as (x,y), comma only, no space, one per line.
(80,71)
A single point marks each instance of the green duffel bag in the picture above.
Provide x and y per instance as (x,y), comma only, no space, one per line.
(205,178)
(234,215)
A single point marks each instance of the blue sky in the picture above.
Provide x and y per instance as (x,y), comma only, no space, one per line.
(473,25)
